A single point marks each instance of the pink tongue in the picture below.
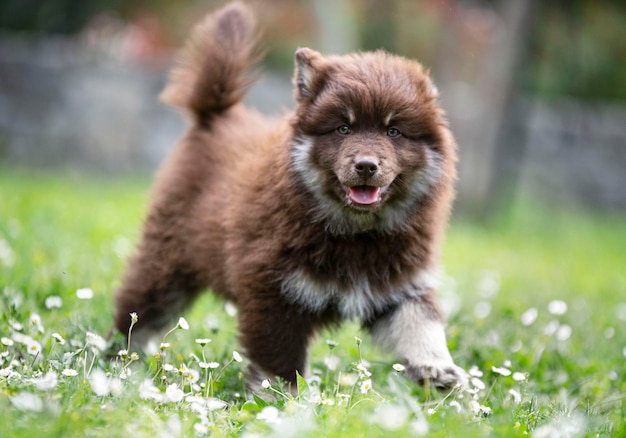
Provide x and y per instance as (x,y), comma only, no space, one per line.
(364,194)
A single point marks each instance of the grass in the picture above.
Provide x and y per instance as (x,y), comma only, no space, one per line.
(537,311)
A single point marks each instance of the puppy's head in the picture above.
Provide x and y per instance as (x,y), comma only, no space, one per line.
(370,141)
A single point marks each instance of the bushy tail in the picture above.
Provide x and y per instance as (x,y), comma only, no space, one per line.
(212,73)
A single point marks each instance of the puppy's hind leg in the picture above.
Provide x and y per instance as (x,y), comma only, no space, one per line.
(415,333)
(157,286)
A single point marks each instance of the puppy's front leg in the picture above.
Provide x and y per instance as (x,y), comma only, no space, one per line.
(275,336)
(415,333)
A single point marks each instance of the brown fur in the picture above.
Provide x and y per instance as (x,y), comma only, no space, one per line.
(263,211)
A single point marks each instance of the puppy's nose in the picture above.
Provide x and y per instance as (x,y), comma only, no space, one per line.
(366,166)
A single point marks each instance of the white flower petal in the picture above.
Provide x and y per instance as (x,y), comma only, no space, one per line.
(557,307)
(183,324)
(174,394)
(529,316)
(53,302)
(502,371)
(84,293)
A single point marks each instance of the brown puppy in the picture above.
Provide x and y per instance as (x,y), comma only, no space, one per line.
(333,213)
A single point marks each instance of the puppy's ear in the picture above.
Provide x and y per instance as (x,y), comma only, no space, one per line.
(308,73)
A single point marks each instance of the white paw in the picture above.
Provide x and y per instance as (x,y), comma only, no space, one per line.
(442,376)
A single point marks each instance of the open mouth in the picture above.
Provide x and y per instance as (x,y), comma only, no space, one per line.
(364,195)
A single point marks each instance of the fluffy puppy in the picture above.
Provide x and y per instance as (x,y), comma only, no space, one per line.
(334,212)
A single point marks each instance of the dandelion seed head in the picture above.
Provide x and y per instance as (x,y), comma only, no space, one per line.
(84,293)
(53,302)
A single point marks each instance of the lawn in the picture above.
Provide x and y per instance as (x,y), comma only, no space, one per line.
(536,303)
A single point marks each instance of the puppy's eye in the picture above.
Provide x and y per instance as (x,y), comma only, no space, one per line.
(344,130)
(393,132)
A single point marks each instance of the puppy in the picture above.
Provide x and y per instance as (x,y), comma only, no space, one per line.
(334,212)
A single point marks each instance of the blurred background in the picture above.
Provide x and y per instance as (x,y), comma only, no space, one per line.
(535,91)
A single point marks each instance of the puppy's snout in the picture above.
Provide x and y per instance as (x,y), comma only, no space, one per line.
(366,167)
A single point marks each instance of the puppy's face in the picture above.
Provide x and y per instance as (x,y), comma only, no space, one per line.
(368,136)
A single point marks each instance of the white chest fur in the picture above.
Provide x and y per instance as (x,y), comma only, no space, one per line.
(358,301)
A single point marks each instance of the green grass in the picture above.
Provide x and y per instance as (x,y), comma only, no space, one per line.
(61,234)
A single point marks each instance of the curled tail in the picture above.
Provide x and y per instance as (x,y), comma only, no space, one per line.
(212,73)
